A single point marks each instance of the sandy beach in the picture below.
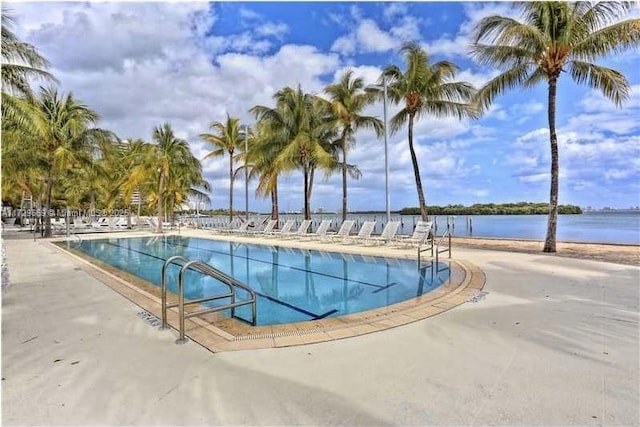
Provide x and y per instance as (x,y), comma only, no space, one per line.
(619,254)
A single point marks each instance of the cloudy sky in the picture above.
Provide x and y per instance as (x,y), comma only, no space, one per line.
(142,64)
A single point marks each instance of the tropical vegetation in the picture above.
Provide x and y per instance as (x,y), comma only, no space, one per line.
(302,130)
(552,38)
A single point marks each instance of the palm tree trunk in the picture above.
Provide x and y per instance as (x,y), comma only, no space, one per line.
(230,188)
(92,205)
(306,193)
(47,216)
(312,173)
(274,203)
(344,177)
(160,202)
(550,241)
(416,172)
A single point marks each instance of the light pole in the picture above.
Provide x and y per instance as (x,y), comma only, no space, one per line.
(246,172)
(386,156)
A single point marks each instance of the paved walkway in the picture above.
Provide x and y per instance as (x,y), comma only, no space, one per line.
(553,342)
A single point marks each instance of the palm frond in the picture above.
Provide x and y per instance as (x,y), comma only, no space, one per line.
(613,39)
(508,80)
(610,82)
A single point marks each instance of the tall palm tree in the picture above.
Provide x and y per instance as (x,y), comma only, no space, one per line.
(176,172)
(555,37)
(61,130)
(227,137)
(304,130)
(348,99)
(425,89)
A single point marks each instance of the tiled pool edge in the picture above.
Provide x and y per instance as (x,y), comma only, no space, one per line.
(442,299)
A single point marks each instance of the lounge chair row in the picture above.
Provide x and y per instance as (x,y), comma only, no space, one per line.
(421,234)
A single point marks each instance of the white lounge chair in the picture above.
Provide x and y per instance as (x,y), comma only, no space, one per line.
(387,235)
(242,228)
(321,232)
(421,234)
(343,232)
(268,228)
(301,231)
(363,234)
(286,228)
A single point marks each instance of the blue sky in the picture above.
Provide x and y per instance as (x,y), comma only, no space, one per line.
(141,64)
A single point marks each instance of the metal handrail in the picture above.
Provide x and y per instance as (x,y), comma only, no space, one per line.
(210,271)
(163,287)
(448,248)
(427,238)
(435,247)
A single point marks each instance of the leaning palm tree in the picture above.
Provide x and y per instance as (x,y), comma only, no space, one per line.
(348,99)
(425,89)
(227,137)
(555,37)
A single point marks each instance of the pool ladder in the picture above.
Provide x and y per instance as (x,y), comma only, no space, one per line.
(210,271)
(435,247)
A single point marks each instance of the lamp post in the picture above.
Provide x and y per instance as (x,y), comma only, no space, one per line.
(376,89)
(246,172)
(386,156)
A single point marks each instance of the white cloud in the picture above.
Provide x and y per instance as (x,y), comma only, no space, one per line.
(373,39)
(272,29)
(395,9)
(406,29)
(345,45)
(534,178)
(459,43)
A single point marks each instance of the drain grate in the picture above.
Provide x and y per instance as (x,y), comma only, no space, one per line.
(149,318)
(278,334)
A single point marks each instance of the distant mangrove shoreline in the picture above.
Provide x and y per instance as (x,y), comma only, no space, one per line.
(521,208)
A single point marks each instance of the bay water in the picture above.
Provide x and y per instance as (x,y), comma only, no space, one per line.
(622,227)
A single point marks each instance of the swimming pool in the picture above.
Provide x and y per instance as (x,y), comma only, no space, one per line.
(292,285)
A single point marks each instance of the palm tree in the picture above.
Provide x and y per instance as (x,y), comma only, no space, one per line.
(303,131)
(226,138)
(425,88)
(348,99)
(176,172)
(555,37)
(20,61)
(60,130)
(260,160)
(136,159)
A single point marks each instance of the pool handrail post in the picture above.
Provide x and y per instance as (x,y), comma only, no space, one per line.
(223,278)
(182,339)
(163,287)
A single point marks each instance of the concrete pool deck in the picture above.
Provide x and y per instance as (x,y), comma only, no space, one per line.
(550,341)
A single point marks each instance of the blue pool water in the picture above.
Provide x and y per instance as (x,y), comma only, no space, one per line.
(293,285)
